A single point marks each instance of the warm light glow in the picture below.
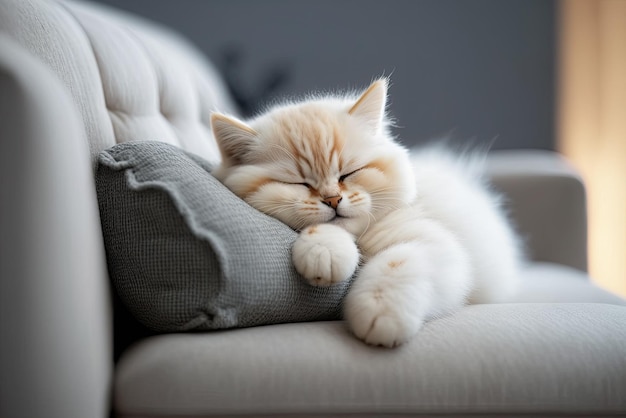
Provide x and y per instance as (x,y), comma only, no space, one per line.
(592,124)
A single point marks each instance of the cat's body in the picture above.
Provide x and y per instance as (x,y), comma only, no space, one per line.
(427,234)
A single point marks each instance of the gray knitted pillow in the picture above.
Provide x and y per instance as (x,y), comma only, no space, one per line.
(184,253)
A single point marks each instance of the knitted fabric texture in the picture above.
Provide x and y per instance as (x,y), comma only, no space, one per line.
(184,253)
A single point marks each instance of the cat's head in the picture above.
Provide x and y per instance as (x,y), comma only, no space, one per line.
(323,160)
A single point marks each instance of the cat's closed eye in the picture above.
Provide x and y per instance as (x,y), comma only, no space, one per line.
(307,185)
(345,176)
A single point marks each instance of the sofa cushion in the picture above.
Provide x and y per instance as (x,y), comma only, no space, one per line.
(496,360)
(556,283)
(184,253)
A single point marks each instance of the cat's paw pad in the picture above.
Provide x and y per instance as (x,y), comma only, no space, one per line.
(377,321)
(325,254)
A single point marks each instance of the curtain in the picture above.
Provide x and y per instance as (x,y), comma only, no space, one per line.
(592,124)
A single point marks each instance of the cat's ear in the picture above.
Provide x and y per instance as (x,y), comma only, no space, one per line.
(234,138)
(370,106)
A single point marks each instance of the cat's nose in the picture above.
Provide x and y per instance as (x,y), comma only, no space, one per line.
(332,201)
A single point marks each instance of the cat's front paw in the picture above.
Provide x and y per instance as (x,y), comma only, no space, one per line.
(381,328)
(377,319)
(325,254)
(386,304)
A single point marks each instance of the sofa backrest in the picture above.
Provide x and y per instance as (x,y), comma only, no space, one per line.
(129,78)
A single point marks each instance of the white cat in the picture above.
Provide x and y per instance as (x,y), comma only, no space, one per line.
(424,232)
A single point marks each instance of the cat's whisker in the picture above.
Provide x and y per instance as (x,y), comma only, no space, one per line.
(386,191)
(385,197)
(370,218)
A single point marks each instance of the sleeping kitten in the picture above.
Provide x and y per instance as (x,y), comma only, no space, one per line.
(429,235)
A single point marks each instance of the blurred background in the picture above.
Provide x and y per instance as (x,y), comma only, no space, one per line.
(513,74)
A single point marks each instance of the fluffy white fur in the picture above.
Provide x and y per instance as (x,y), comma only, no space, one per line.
(422,231)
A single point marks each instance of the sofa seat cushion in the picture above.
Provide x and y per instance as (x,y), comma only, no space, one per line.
(548,358)
(491,359)
(184,253)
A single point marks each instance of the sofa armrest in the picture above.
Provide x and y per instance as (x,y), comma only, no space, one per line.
(56,350)
(546,199)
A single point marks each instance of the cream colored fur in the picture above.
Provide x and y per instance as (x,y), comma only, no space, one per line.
(422,232)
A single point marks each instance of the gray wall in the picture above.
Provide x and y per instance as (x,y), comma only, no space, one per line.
(472,69)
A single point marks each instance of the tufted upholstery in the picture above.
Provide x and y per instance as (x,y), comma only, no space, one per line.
(130,79)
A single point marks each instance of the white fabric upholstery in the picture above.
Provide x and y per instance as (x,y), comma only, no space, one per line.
(55,319)
(155,88)
(486,359)
(557,348)
(75,79)
(556,283)
(51,34)
(547,199)
(129,79)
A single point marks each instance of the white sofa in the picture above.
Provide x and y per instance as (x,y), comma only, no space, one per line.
(77,78)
